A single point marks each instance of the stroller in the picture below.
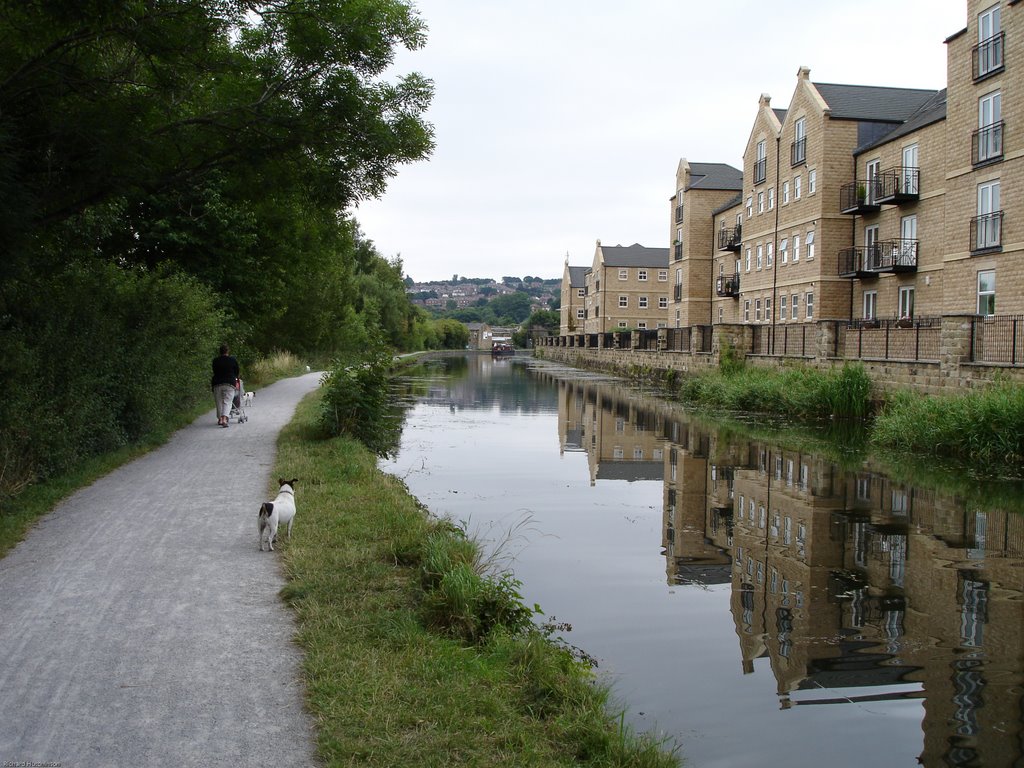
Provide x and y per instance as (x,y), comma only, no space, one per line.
(239,404)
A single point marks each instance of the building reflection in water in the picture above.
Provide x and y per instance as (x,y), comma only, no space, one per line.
(855,587)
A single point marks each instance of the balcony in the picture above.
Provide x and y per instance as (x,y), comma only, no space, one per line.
(987,57)
(987,144)
(677,293)
(898,185)
(859,197)
(885,257)
(679,214)
(760,170)
(987,233)
(730,239)
(677,251)
(728,285)
(798,152)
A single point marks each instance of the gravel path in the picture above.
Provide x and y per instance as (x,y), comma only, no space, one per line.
(139,623)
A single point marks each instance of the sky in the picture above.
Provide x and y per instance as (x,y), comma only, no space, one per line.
(561,122)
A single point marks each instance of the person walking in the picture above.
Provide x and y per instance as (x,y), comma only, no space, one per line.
(225,378)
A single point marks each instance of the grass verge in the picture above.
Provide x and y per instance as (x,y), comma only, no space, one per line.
(413,655)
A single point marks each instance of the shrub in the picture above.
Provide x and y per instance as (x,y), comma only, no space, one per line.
(357,400)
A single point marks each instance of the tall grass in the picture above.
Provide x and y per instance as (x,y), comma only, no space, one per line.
(416,653)
(279,364)
(986,427)
(797,391)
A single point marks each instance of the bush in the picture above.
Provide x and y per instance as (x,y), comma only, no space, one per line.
(357,400)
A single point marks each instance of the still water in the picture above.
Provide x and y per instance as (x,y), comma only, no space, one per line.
(756,605)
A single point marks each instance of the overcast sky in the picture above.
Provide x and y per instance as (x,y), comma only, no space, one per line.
(559,122)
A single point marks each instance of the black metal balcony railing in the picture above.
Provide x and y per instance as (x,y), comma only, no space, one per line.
(728,285)
(898,185)
(987,144)
(677,251)
(987,56)
(760,170)
(866,261)
(798,151)
(677,293)
(679,214)
(859,197)
(987,232)
(730,239)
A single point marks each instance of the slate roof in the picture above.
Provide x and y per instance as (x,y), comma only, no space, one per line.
(715,176)
(781,114)
(577,276)
(634,255)
(726,206)
(873,103)
(932,111)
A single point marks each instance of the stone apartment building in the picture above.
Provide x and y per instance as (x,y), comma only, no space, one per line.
(626,287)
(573,293)
(701,188)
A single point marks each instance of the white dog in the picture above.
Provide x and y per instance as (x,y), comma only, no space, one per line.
(247,398)
(280,511)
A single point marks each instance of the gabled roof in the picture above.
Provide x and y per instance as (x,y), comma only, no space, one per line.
(715,176)
(873,103)
(932,111)
(634,255)
(780,114)
(577,276)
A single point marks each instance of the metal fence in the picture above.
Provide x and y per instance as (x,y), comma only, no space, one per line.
(919,339)
(784,340)
(998,339)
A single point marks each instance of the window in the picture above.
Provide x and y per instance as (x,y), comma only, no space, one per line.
(750,206)
(760,202)
(748,259)
(871,170)
(662,275)
(782,308)
(623,324)
(760,255)
(799,152)
(812,181)
(746,311)
(663,302)
(767,310)
(623,302)
(643,302)
(642,325)
(987,292)
(907,301)
(870,305)
(771,198)
(910,179)
(581,292)
(809,304)
(757,310)
(641,274)
(785,192)
(761,164)
(809,242)
(990,43)
(623,274)
(989,140)
(770,255)
(989,217)
(796,187)
(784,251)
(796,248)
(795,308)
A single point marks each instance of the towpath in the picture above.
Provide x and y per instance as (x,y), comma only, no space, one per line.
(139,623)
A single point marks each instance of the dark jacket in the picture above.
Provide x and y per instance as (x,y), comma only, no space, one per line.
(225,370)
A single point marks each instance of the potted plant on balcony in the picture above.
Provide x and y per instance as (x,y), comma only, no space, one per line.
(862,193)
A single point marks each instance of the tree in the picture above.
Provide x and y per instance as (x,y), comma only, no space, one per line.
(512,308)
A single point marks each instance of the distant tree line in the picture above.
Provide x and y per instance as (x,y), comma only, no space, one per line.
(174,174)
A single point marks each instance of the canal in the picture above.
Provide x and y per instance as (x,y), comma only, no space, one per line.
(755,604)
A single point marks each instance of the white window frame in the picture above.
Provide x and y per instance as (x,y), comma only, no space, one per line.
(662,275)
(641,274)
(809,244)
(581,292)
(989,26)
(988,234)
(812,181)
(785,192)
(870,305)
(642,302)
(746,310)
(768,310)
(784,251)
(663,302)
(796,187)
(987,292)
(623,274)
(760,202)
(748,259)
(794,309)
(990,112)
(796,248)
(623,301)
(623,324)
(771,198)
(641,325)
(782,308)
(769,255)
(757,310)
(750,206)
(906,302)
(581,314)
(760,256)
(809,305)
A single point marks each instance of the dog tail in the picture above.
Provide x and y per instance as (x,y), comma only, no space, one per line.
(267,509)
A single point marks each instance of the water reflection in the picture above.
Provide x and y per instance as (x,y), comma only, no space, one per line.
(850,588)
